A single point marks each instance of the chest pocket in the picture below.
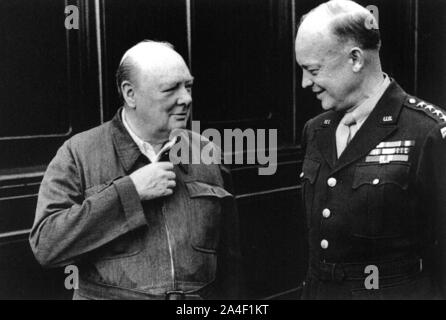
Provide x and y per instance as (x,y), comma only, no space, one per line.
(380,200)
(310,171)
(206,202)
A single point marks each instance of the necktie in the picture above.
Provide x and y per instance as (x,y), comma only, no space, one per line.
(344,133)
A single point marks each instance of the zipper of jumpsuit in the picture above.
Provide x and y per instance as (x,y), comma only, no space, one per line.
(169,243)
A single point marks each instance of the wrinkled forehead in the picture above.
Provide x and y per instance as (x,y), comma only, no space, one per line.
(312,47)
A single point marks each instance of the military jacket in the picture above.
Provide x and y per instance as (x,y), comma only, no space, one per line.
(384,199)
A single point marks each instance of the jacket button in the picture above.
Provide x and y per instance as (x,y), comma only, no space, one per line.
(376,181)
(324,244)
(326,213)
(332,182)
(412,100)
(301,175)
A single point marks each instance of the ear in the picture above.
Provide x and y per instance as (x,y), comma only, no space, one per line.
(128,93)
(356,58)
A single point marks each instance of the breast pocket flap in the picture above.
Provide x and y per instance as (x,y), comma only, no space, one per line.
(381,174)
(200,189)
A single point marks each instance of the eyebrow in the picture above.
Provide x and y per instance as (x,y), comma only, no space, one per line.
(172,83)
(309,66)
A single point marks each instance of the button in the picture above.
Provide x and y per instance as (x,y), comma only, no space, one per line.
(332,182)
(376,181)
(324,244)
(301,175)
(412,100)
(326,213)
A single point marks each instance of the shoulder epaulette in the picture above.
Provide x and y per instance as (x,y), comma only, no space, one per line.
(431,110)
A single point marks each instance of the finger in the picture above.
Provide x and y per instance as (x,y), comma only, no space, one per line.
(170,175)
(168,192)
(165,165)
(171,184)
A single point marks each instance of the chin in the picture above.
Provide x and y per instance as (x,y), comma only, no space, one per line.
(179,124)
(328,106)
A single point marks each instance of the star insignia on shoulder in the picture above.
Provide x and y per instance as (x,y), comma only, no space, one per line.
(430,108)
(439,113)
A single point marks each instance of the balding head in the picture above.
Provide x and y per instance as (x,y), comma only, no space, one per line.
(145,58)
(337,47)
(344,19)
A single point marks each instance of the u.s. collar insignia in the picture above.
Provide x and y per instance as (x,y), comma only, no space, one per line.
(387,119)
(443,132)
(327,122)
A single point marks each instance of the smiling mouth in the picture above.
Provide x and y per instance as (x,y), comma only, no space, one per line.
(318,94)
(181,115)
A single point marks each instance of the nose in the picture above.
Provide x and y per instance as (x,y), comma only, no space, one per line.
(185,97)
(306,81)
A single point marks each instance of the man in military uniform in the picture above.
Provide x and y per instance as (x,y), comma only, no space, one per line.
(374,173)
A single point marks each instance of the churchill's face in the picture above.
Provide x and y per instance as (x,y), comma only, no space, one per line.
(163,95)
(327,69)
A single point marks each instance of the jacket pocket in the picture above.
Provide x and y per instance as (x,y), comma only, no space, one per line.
(380,200)
(206,202)
(126,245)
(379,175)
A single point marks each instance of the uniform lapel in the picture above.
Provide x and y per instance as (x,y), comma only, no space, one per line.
(379,125)
(326,137)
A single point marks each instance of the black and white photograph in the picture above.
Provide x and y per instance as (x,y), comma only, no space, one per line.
(239,151)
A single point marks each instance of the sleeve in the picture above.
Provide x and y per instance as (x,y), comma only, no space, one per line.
(305,237)
(230,280)
(67,226)
(304,137)
(432,178)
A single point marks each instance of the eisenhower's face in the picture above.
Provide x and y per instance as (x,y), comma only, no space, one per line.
(327,69)
(163,96)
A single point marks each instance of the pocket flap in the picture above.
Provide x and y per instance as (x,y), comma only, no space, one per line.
(375,174)
(201,189)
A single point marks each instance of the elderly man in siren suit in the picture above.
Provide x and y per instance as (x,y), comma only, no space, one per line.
(137,222)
